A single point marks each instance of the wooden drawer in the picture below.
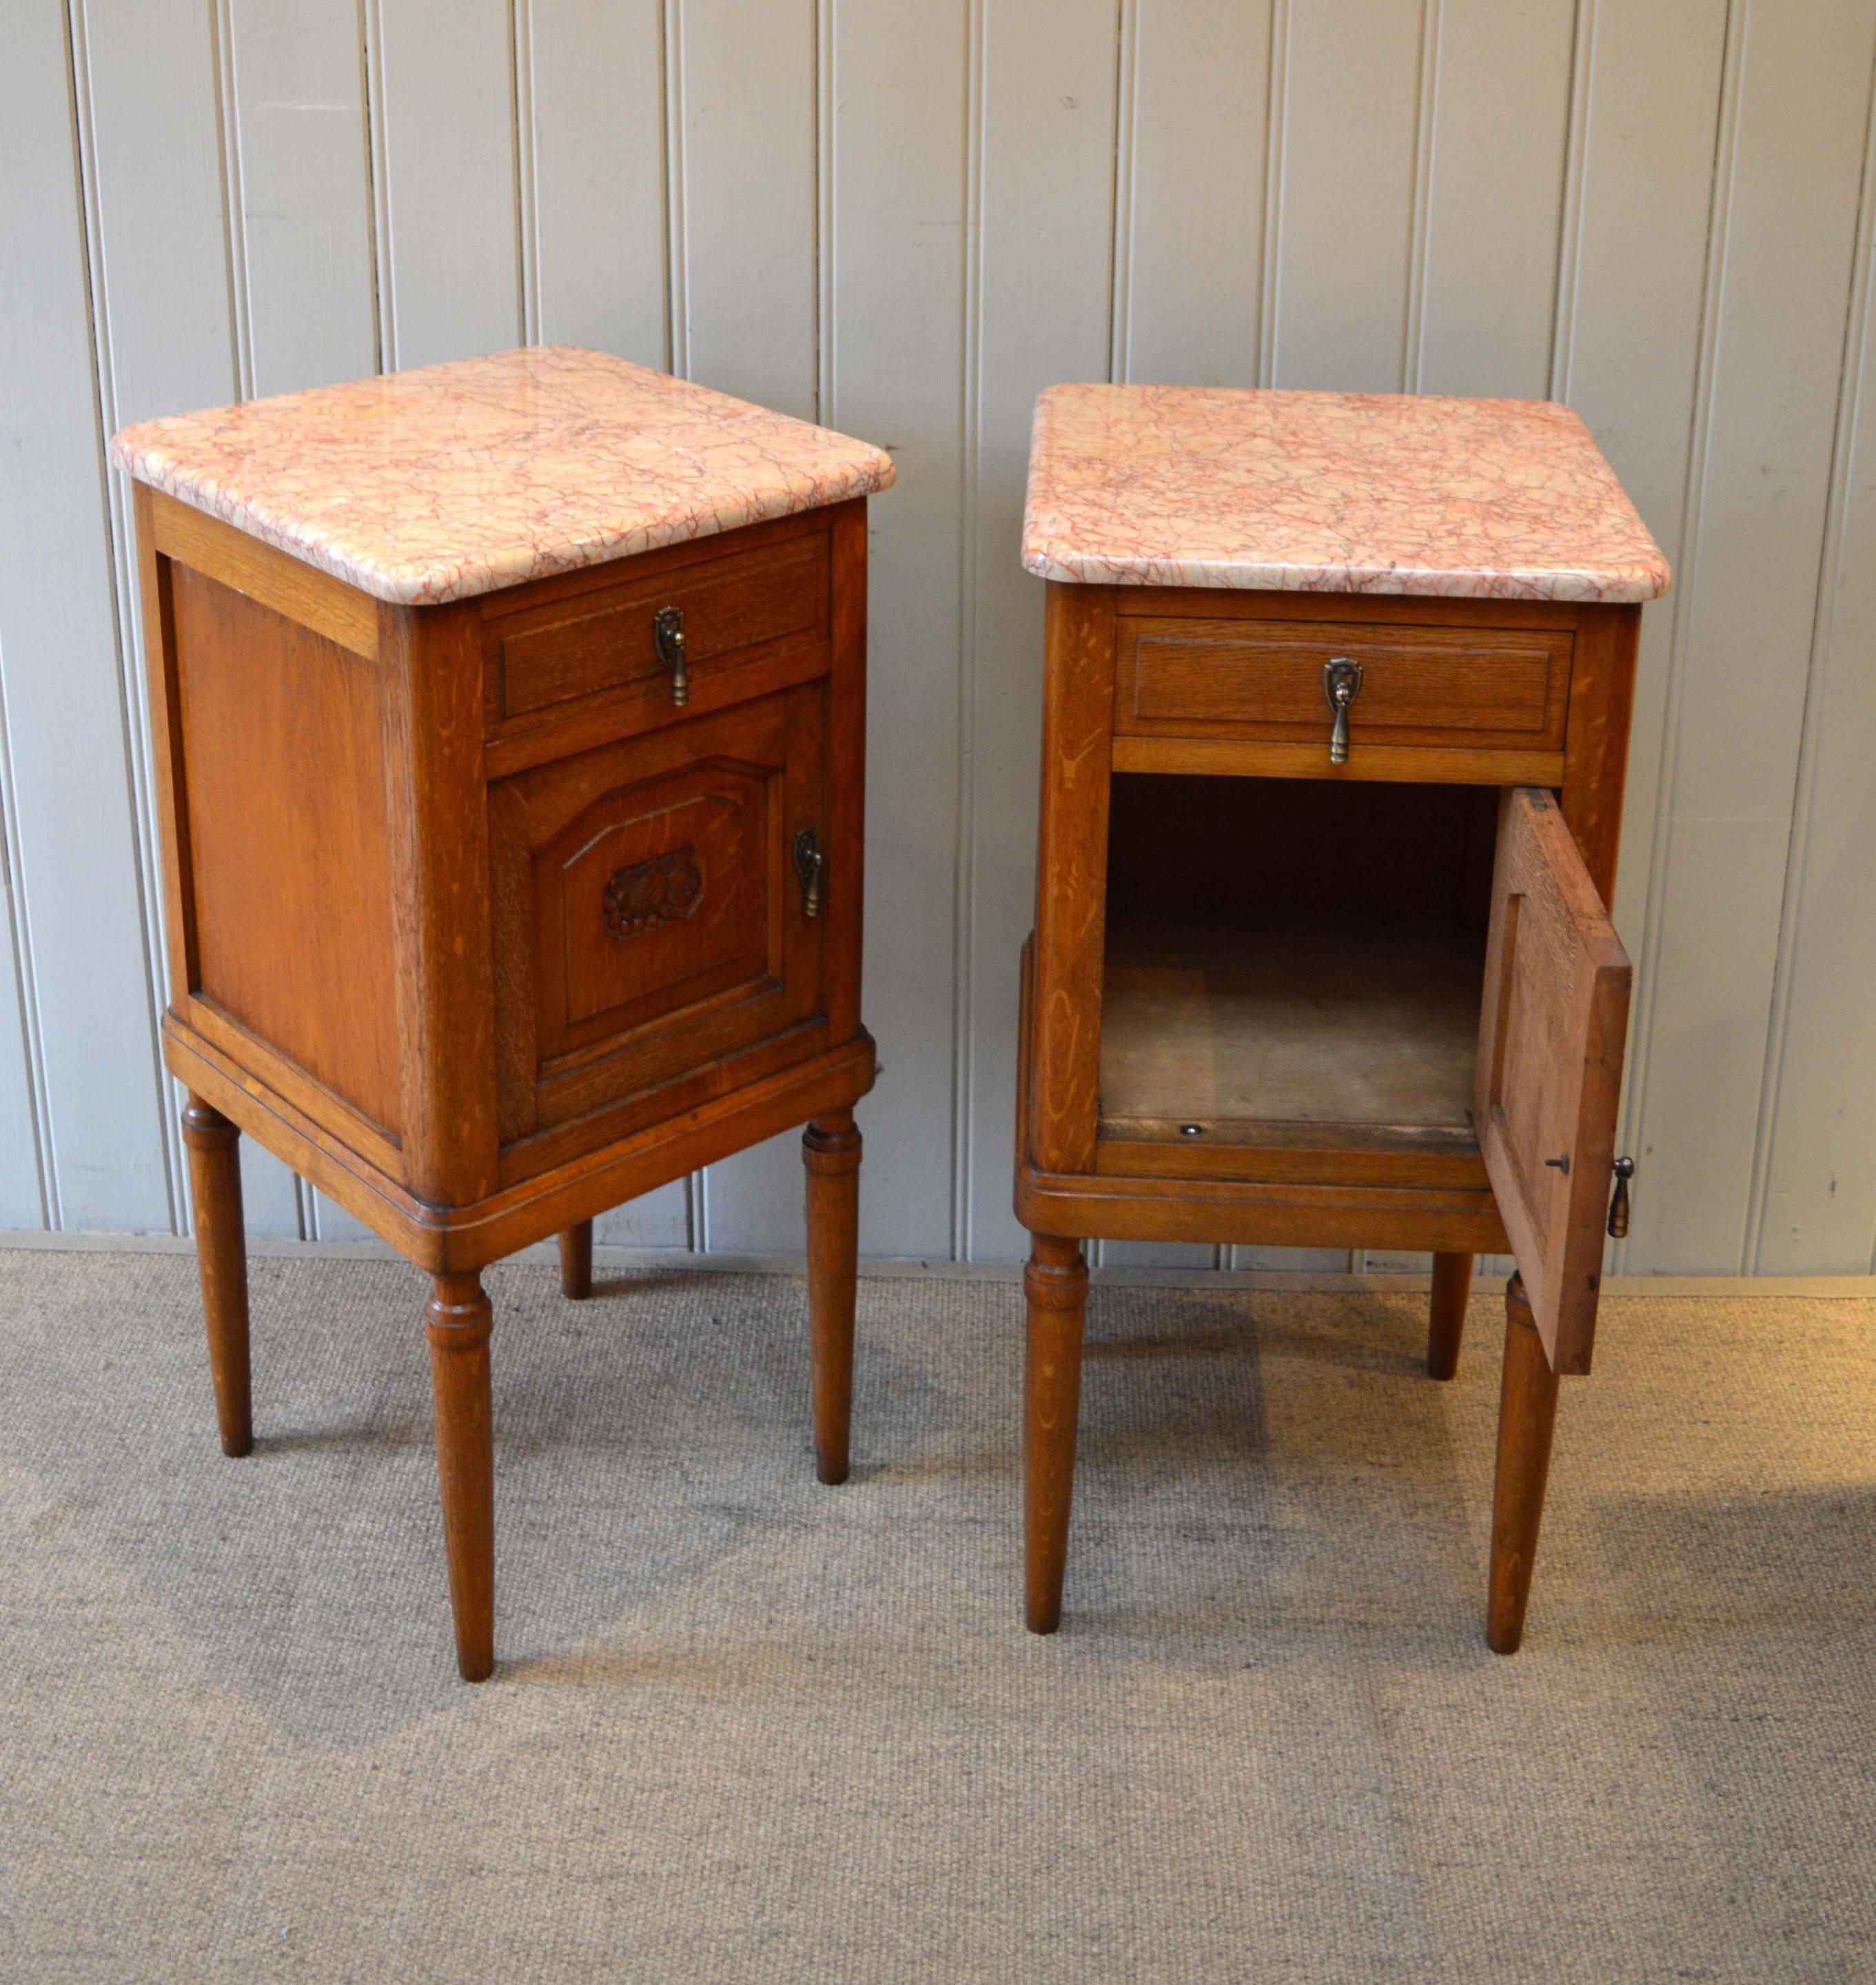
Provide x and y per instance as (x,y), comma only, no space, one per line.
(545,659)
(1497,696)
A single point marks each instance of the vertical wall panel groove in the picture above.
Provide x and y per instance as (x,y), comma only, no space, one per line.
(1426,107)
(1782,280)
(1647,970)
(751,117)
(970,412)
(907,225)
(1045,302)
(1815,1190)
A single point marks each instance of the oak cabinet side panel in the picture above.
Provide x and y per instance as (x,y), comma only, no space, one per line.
(1071,875)
(282,838)
(1596,755)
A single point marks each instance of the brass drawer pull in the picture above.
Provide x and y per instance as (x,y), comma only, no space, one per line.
(1619,1206)
(667,636)
(809,864)
(1341,684)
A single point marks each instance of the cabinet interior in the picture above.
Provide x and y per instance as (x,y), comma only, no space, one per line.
(1294,960)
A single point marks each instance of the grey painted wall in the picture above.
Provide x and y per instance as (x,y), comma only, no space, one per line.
(904,219)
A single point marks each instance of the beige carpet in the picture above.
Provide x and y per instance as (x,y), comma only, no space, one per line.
(748,1728)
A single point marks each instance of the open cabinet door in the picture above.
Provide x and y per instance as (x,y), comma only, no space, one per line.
(1550,1041)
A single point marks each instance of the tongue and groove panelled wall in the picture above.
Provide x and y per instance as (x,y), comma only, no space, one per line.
(904,219)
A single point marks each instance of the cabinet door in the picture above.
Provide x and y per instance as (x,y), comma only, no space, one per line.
(1550,1044)
(652,928)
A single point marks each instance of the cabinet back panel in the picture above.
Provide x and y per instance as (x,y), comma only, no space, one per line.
(1181,848)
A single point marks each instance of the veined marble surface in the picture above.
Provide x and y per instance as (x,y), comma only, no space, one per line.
(1329,492)
(441,483)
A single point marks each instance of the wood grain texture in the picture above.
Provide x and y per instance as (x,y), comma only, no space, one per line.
(576,1261)
(1550,1038)
(1450,687)
(457,1323)
(613,994)
(1375,609)
(221,1250)
(602,639)
(438,869)
(288,920)
(1225,757)
(289,586)
(830,1150)
(1315,1019)
(1071,876)
(1527,1419)
(1055,1292)
(1452,1286)
(1602,703)
(532,1208)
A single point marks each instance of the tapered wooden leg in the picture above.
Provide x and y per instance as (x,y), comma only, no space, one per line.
(1452,1283)
(457,1324)
(830,1150)
(221,1254)
(1056,1285)
(1527,1417)
(576,1260)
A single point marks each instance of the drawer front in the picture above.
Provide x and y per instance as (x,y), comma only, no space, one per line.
(649,920)
(1491,689)
(542,658)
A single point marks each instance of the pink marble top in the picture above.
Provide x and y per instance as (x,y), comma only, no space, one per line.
(440,484)
(1329,492)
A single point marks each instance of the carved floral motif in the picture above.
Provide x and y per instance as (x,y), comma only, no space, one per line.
(665,890)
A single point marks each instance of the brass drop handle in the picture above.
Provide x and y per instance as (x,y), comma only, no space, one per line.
(809,864)
(1341,684)
(667,638)
(1619,1206)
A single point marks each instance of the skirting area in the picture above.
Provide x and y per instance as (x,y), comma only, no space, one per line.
(745,1727)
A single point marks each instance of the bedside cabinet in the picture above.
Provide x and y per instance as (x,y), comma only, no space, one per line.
(1335,716)
(509,720)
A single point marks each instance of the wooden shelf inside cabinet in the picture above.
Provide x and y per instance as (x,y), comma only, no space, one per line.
(1336,704)
(509,721)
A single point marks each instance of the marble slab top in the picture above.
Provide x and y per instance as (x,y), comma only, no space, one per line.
(439,484)
(1329,492)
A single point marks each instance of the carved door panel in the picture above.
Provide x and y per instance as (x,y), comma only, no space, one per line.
(650,918)
(1549,1071)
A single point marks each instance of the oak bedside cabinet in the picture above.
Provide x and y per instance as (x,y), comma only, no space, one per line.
(508,720)
(1337,703)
